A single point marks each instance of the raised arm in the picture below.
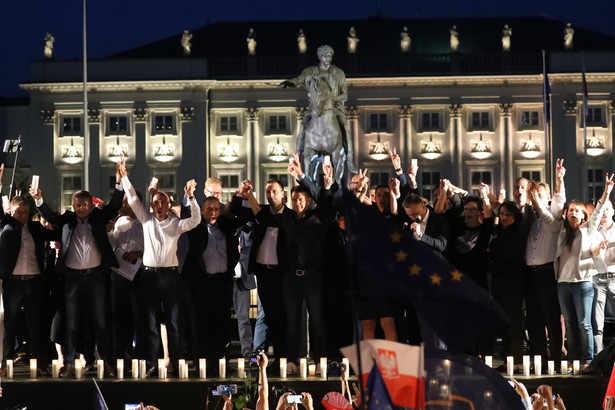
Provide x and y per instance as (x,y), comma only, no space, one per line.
(262,403)
(395,194)
(484,195)
(445,186)
(195,211)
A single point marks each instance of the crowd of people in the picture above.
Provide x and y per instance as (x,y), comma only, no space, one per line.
(100,280)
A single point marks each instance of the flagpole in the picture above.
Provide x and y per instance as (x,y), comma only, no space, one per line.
(546,101)
(86,126)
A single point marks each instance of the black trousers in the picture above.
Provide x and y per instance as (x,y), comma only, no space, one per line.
(543,312)
(31,295)
(86,298)
(158,291)
(298,289)
(212,296)
(124,314)
(270,291)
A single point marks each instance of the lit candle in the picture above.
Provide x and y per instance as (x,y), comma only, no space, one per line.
(135,368)
(162,369)
(203,368)
(510,366)
(9,368)
(283,367)
(33,368)
(445,390)
(303,367)
(180,368)
(347,363)
(447,367)
(120,368)
(323,367)
(312,370)
(489,361)
(78,369)
(142,369)
(538,365)
(550,367)
(100,368)
(222,368)
(434,388)
(526,365)
(241,367)
(55,368)
(576,367)
(564,369)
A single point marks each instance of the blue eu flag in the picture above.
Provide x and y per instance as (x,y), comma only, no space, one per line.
(387,263)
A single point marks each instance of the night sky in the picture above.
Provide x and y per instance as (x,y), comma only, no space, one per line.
(116,25)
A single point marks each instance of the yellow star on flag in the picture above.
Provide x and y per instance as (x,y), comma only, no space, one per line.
(395,237)
(415,270)
(401,256)
(456,275)
(435,279)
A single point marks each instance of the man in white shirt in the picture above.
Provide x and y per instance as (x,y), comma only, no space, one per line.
(541,297)
(159,281)
(85,259)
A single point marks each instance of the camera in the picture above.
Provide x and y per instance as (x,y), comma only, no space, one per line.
(294,398)
(225,389)
(255,357)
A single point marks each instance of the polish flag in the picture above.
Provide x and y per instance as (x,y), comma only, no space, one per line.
(401,367)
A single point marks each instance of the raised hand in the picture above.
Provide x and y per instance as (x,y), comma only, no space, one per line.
(1,172)
(394,185)
(560,171)
(327,175)
(483,189)
(608,183)
(294,166)
(190,188)
(395,159)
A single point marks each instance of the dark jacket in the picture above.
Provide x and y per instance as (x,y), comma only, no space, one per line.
(98,219)
(10,243)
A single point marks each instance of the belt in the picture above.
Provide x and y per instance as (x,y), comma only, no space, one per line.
(26,277)
(305,272)
(268,267)
(83,271)
(170,269)
(541,267)
(607,275)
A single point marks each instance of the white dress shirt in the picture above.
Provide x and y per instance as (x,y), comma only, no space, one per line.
(542,240)
(26,261)
(160,237)
(83,253)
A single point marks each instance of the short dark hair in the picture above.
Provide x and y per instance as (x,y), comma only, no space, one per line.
(275,181)
(18,200)
(413,199)
(300,189)
(210,198)
(474,199)
(83,195)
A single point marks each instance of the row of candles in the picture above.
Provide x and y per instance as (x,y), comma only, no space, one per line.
(139,368)
(510,365)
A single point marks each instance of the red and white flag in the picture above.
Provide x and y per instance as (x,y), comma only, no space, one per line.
(401,367)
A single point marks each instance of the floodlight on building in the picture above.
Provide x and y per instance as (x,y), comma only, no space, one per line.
(278,152)
(379,150)
(594,146)
(228,152)
(431,149)
(530,148)
(72,154)
(164,152)
(481,149)
(116,150)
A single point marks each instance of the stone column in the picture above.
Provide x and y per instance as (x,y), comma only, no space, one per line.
(352,125)
(405,134)
(252,147)
(96,183)
(138,175)
(456,143)
(506,145)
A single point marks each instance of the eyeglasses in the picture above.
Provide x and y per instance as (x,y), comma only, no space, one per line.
(470,209)
(213,193)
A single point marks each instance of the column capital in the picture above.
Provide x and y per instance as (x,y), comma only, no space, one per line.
(94,115)
(569,107)
(405,111)
(252,113)
(352,113)
(455,110)
(187,113)
(612,106)
(506,109)
(300,111)
(48,116)
(140,113)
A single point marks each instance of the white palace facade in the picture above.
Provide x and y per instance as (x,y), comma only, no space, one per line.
(475,114)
